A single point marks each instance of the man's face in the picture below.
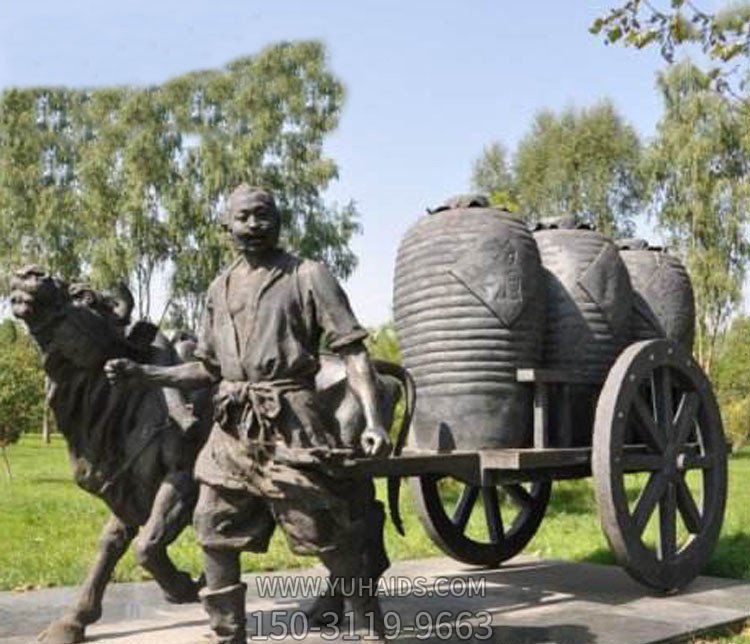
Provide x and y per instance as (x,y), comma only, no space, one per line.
(120,309)
(254,227)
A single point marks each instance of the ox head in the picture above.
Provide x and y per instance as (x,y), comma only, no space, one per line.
(74,322)
(36,297)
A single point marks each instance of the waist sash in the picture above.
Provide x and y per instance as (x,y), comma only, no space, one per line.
(251,408)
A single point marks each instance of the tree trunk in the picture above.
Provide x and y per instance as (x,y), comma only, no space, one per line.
(6,460)
(46,438)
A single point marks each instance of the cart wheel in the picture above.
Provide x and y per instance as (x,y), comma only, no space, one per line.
(661,500)
(512,514)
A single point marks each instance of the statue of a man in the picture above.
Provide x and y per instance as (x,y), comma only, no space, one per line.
(259,346)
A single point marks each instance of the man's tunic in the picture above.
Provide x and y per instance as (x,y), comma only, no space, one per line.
(265,360)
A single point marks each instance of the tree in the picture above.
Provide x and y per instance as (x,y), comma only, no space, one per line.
(731,379)
(21,387)
(38,218)
(492,175)
(731,373)
(583,162)
(722,36)
(121,183)
(261,120)
(698,179)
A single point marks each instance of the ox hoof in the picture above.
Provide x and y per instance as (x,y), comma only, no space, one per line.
(184,590)
(326,611)
(62,632)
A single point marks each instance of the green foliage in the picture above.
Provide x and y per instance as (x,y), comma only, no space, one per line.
(731,379)
(491,172)
(723,36)
(583,162)
(504,200)
(736,417)
(492,175)
(731,372)
(383,344)
(127,181)
(21,386)
(698,180)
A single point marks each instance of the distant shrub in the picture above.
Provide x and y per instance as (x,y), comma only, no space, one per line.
(21,386)
(383,344)
(736,416)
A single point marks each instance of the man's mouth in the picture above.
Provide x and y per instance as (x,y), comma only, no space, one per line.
(252,241)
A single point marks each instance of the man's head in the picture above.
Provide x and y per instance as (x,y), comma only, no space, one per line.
(253,220)
(82,294)
(121,303)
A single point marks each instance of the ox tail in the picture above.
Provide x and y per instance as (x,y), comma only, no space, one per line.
(410,396)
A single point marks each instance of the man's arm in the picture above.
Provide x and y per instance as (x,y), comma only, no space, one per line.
(362,379)
(328,303)
(191,375)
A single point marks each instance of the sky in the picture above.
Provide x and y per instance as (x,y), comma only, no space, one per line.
(429,84)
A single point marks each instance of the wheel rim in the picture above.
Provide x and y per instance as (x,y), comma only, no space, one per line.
(479,525)
(661,503)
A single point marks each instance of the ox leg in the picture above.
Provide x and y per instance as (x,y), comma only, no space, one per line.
(114,541)
(171,513)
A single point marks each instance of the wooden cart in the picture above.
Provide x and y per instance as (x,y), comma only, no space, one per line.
(656,422)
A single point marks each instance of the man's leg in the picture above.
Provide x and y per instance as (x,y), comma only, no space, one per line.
(226,523)
(329,518)
(223,597)
(361,603)
(328,609)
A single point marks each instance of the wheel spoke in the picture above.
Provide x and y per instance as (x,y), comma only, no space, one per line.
(465,506)
(519,495)
(668,523)
(644,508)
(685,418)
(696,461)
(649,431)
(639,462)
(687,507)
(492,514)
(663,404)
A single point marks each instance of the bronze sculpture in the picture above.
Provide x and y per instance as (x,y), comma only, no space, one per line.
(134,449)
(259,348)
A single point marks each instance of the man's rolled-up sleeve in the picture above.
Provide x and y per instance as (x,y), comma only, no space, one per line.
(333,312)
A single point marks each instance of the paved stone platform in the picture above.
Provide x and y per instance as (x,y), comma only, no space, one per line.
(526,602)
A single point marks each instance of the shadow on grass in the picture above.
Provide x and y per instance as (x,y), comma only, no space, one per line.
(571,499)
(51,480)
(600,556)
(730,558)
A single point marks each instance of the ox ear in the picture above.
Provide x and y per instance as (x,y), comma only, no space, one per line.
(22,275)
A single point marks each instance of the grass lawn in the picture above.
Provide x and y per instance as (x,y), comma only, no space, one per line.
(49,528)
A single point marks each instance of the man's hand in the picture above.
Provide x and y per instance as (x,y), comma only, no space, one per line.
(121,370)
(376,442)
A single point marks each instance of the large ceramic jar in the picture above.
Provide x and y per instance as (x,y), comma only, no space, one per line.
(469,311)
(589,299)
(664,306)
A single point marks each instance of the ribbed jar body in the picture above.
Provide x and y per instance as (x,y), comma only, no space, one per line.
(664,305)
(469,312)
(589,298)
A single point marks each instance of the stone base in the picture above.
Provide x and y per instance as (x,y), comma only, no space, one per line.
(527,601)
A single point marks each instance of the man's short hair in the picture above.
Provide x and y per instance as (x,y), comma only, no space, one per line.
(245,196)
